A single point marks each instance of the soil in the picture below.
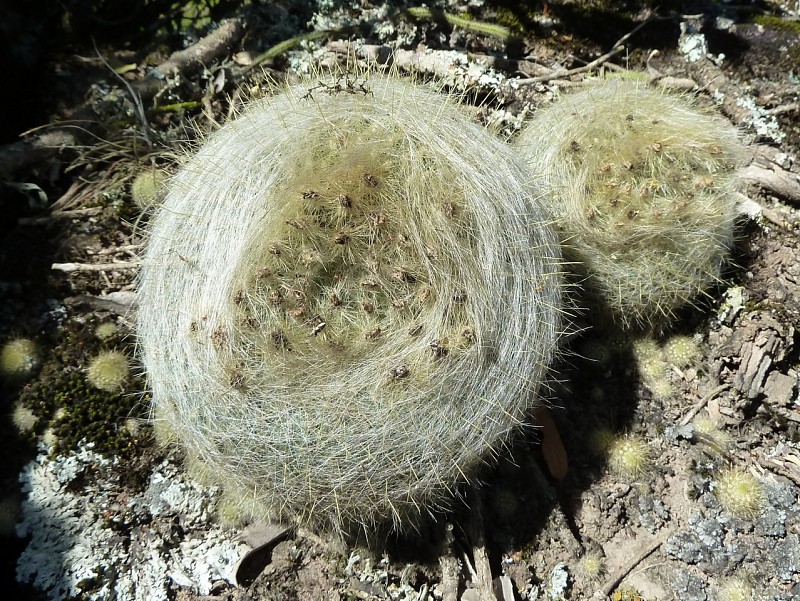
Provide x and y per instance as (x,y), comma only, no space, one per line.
(661,531)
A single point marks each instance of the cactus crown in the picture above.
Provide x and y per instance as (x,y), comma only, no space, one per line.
(347,302)
(641,186)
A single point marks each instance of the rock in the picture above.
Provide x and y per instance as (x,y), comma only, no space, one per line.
(780,388)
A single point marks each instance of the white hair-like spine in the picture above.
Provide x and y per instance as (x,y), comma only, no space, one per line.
(348,302)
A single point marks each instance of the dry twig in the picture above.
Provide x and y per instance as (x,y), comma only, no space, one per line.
(482,568)
(69,267)
(614,581)
(56,215)
(702,403)
(618,47)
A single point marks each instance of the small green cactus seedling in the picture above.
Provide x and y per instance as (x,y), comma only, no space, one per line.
(682,351)
(23,419)
(739,493)
(711,431)
(736,588)
(592,565)
(148,188)
(19,358)
(106,331)
(652,366)
(108,371)
(628,455)
(641,186)
(348,300)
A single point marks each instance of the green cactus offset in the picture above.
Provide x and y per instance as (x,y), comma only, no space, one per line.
(347,303)
(641,184)
(19,358)
(108,371)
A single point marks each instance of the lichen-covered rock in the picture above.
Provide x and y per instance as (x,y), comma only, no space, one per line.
(347,303)
(85,543)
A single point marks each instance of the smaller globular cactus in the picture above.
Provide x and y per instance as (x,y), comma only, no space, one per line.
(652,366)
(23,419)
(711,432)
(739,493)
(682,351)
(19,358)
(641,185)
(736,588)
(108,371)
(628,455)
(592,565)
(148,188)
(106,331)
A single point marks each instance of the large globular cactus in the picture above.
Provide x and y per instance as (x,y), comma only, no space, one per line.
(348,302)
(641,183)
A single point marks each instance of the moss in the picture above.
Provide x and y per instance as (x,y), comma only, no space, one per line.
(777,23)
(518,22)
(83,412)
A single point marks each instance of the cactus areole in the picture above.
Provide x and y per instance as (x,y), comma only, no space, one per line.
(348,302)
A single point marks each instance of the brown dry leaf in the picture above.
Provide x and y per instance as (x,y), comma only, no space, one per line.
(555,454)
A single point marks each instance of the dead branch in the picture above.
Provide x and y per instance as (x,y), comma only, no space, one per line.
(20,154)
(58,215)
(774,466)
(214,46)
(714,82)
(702,403)
(113,250)
(121,302)
(63,136)
(792,107)
(773,178)
(448,564)
(618,47)
(69,267)
(482,568)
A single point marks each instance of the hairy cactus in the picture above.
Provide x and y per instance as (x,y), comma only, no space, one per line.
(19,358)
(641,185)
(739,492)
(147,188)
(108,371)
(347,303)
